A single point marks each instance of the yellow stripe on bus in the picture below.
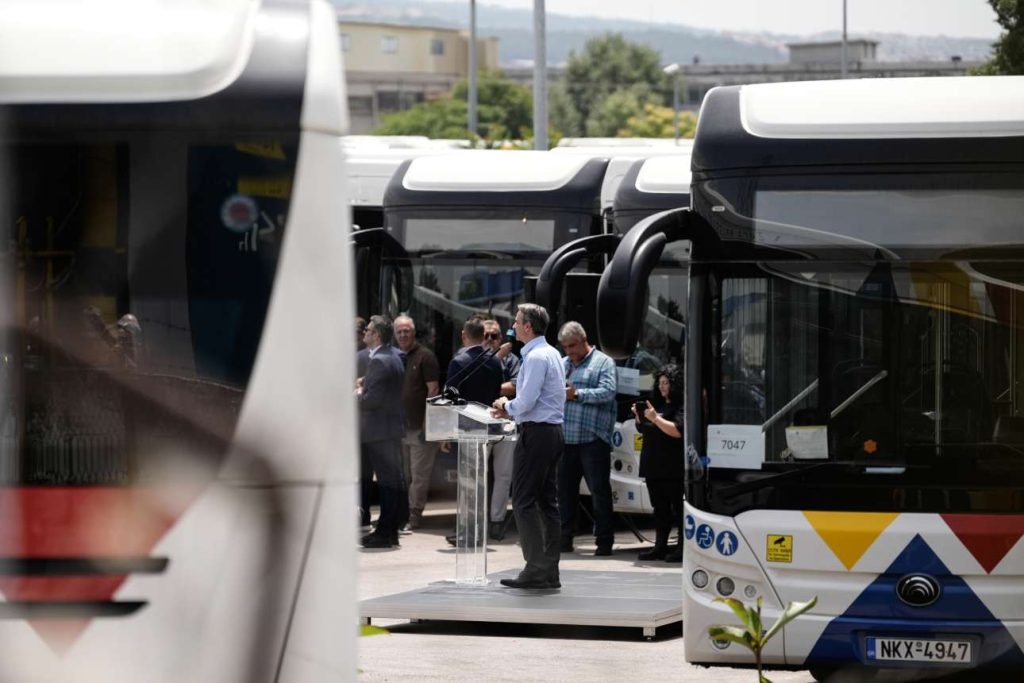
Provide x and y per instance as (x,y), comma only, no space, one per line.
(850,534)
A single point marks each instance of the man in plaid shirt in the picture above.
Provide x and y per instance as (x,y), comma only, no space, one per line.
(588,427)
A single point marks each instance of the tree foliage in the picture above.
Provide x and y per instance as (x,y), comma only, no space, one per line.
(1008,57)
(583,104)
(504,110)
(659,122)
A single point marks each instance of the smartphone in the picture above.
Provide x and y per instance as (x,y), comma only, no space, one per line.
(640,406)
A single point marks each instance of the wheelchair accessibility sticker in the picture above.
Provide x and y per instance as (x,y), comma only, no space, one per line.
(689,527)
(705,536)
(726,543)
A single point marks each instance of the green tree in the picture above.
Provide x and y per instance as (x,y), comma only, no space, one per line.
(1008,58)
(659,122)
(607,64)
(505,110)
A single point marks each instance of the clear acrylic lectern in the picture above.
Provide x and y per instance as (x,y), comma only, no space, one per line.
(473,427)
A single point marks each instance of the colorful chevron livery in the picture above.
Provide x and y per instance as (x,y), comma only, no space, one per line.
(853,562)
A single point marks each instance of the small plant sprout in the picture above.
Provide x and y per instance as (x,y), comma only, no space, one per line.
(751,634)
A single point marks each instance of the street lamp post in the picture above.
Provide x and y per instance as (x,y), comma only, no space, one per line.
(843,64)
(471,108)
(673,71)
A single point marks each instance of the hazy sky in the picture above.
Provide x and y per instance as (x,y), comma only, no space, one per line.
(965,18)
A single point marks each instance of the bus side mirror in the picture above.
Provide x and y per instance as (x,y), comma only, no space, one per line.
(621,295)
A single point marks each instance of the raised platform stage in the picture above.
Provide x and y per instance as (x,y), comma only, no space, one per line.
(644,600)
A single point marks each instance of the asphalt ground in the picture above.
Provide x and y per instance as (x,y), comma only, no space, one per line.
(479,652)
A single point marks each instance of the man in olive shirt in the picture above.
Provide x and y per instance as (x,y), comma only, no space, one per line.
(422,378)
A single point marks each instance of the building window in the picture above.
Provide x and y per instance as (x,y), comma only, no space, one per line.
(436,47)
(392,101)
(360,105)
(345,40)
(389,45)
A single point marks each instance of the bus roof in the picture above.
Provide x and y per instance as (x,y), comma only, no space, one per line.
(605,143)
(113,51)
(622,157)
(856,122)
(498,178)
(650,186)
(492,171)
(369,169)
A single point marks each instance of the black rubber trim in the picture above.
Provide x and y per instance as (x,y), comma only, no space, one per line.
(61,566)
(69,609)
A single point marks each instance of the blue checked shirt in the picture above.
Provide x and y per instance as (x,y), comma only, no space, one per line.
(591,415)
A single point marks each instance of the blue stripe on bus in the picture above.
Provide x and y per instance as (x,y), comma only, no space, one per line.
(878,612)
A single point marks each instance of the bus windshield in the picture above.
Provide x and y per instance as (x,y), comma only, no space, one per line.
(896,352)
(461,262)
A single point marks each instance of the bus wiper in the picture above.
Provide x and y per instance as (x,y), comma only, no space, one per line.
(882,374)
(852,466)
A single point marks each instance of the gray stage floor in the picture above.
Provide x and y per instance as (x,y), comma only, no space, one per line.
(645,600)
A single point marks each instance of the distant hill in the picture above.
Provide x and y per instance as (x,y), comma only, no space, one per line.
(675,42)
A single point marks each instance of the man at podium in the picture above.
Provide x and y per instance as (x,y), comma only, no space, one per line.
(538,411)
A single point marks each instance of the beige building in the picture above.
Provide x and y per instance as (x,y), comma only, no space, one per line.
(389,68)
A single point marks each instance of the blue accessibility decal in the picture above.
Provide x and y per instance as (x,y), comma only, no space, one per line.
(726,543)
(617,439)
(705,536)
(689,526)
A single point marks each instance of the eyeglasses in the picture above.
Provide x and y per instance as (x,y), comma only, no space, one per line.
(492,335)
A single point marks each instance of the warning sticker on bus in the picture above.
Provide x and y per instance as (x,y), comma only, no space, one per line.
(779,548)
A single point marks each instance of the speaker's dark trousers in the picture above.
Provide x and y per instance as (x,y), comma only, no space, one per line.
(535,498)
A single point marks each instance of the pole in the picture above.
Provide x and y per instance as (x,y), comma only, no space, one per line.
(675,103)
(843,65)
(471,105)
(540,78)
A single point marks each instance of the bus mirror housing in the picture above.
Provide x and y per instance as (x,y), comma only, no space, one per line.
(553,274)
(621,295)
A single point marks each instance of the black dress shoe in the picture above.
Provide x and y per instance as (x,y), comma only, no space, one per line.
(376,540)
(496,531)
(554,583)
(655,553)
(603,550)
(675,556)
(528,583)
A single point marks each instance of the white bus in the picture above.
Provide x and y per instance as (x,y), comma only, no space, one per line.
(854,405)
(176,421)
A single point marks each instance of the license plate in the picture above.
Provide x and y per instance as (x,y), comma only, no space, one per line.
(947,651)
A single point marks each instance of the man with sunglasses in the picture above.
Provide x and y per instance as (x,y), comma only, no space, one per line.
(501,452)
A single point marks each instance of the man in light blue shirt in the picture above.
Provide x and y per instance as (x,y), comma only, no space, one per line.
(538,410)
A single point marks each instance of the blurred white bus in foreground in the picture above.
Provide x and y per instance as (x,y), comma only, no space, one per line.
(176,425)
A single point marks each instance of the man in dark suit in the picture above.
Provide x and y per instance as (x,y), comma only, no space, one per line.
(465,374)
(381,427)
(477,380)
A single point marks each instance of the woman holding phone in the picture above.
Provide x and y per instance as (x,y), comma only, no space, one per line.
(660,420)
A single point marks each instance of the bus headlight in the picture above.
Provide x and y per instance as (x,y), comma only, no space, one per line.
(699,579)
(725,586)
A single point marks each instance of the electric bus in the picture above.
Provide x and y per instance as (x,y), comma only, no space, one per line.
(634,188)
(854,412)
(176,357)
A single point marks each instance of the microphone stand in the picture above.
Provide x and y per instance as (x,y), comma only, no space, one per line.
(450,393)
